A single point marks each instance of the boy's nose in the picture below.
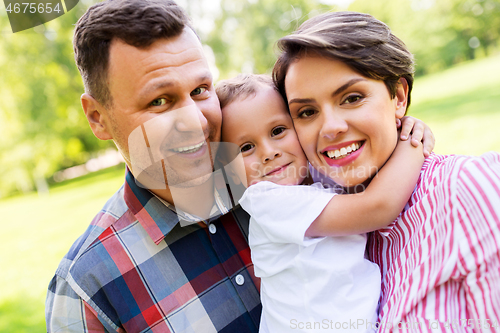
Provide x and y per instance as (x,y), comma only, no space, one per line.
(272,156)
(270,151)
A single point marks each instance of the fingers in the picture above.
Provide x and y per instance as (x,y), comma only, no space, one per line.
(419,132)
(407,127)
(429,141)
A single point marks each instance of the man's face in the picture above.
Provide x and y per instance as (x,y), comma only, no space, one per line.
(165,113)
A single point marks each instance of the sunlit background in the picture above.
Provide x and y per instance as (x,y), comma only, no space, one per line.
(55,175)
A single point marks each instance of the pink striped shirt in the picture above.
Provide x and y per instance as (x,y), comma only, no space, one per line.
(440,260)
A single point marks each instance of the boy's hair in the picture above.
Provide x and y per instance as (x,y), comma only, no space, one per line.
(241,87)
(359,40)
(136,22)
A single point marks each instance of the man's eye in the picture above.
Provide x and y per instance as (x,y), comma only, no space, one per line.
(159,102)
(352,99)
(198,91)
(306,113)
(246,147)
(277,130)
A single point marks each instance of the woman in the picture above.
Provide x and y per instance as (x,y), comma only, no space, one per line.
(347,79)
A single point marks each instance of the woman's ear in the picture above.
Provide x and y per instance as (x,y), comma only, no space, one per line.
(95,114)
(401,98)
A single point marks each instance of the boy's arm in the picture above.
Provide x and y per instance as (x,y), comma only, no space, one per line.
(379,204)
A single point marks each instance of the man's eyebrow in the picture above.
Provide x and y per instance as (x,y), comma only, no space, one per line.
(336,92)
(167,83)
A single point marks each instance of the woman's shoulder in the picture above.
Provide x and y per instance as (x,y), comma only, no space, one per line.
(439,169)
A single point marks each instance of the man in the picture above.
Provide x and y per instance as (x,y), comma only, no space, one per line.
(149,89)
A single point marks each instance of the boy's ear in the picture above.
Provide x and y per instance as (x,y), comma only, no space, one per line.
(96,116)
(401,98)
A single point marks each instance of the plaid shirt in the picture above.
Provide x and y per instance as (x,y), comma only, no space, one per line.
(136,269)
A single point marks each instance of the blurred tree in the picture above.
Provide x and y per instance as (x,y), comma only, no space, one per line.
(440,33)
(43,127)
(245,32)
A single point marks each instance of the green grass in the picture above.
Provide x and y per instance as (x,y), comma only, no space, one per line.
(36,233)
(462,106)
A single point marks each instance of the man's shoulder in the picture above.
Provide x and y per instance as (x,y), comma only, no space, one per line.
(113,212)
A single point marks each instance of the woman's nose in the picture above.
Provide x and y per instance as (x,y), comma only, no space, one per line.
(333,125)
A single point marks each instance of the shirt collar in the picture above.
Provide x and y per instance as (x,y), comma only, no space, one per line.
(159,217)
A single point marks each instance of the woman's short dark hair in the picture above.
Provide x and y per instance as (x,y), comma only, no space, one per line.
(136,22)
(359,40)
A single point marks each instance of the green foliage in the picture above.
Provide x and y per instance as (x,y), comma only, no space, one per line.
(43,126)
(462,106)
(245,33)
(440,33)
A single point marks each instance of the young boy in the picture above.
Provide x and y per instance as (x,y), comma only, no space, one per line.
(308,281)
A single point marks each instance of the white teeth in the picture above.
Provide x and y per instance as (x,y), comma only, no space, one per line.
(189,149)
(342,152)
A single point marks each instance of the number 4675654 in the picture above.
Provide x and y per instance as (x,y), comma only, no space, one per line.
(32,8)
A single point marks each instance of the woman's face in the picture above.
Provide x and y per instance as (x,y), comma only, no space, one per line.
(345,122)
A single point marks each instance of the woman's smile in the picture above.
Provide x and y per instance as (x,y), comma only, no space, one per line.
(345,122)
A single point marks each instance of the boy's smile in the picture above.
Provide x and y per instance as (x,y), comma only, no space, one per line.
(261,126)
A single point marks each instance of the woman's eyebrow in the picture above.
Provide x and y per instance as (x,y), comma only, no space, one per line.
(336,92)
(301,100)
(347,85)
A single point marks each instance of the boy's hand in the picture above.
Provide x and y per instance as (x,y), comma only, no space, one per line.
(420,132)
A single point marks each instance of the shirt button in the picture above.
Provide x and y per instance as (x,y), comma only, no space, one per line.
(240,280)
(212,228)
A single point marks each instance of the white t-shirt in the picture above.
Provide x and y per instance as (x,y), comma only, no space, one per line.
(307,284)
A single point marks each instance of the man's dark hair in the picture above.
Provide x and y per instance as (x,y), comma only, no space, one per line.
(136,22)
(362,42)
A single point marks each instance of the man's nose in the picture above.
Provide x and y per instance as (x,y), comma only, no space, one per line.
(190,119)
(333,124)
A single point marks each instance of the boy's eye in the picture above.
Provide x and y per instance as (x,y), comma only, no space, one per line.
(352,99)
(198,91)
(159,102)
(306,113)
(246,147)
(277,130)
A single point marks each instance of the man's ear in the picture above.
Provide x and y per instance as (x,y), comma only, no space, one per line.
(401,98)
(94,112)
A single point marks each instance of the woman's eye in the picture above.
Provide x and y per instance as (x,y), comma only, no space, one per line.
(352,99)
(198,91)
(306,113)
(246,147)
(277,130)
(159,102)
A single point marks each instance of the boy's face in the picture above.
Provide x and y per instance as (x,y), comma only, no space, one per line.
(263,129)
